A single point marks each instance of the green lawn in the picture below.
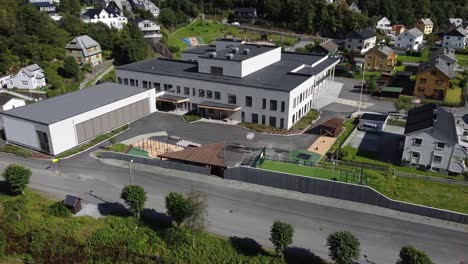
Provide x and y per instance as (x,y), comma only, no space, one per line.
(138,152)
(367,75)
(399,68)
(424,57)
(453,95)
(310,171)
(119,147)
(462,59)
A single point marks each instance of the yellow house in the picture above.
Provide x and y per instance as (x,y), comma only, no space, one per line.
(425,25)
(85,50)
(380,58)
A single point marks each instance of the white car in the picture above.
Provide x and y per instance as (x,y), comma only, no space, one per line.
(235,23)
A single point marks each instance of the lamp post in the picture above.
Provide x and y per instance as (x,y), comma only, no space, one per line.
(362,84)
(130,170)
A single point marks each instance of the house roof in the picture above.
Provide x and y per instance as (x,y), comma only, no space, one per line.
(254,50)
(277,76)
(92,12)
(329,45)
(383,19)
(447,54)
(29,70)
(385,50)
(440,64)
(363,34)
(245,10)
(83,43)
(455,20)
(4,99)
(373,117)
(211,154)
(43,4)
(432,116)
(71,104)
(458,32)
(71,200)
(414,32)
(427,21)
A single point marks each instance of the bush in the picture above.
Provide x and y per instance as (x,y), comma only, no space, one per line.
(344,247)
(178,207)
(17,178)
(177,237)
(87,67)
(412,255)
(18,151)
(59,210)
(3,243)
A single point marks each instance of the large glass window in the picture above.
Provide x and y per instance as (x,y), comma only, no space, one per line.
(248,101)
(283,106)
(145,84)
(273,105)
(178,89)
(187,90)
(209,94)
(217,95)
(157,86)
(272,121)
(255,118)
(216,70)
(232,99)
(201,93)
(264,103)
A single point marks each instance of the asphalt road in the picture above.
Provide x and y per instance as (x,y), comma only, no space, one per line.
(244,210)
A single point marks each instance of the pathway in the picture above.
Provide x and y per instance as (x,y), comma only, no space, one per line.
(98,72)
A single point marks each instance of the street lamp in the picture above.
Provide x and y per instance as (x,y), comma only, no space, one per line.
(362,84)
(130,169)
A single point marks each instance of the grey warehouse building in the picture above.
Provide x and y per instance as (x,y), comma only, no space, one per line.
(236,81)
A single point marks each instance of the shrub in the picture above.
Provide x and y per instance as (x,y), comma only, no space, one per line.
(178,237)
(281,235)
(17,178)
(178,207)
(2,243)
(59,210)
(18,151)
(135,198)
(344,247)
(412,255)
(87,67)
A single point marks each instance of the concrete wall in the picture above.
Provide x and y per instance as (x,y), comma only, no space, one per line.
(230,67)
(23,132)
(338,190)
(156,162)
(261,61)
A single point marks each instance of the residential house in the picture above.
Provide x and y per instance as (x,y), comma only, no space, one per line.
(149,28)
(425,25)
(146,5)
(433,77)
(410,40)
(354,7)
(30,77)
(8,102)
(457,23)
(380,58)
(328,47)
(361,42)
(85,50)
(48,7)
(116,6)
(398,29)
(106,16)
(245,13)
(432,140)
(384,24)
(456,39)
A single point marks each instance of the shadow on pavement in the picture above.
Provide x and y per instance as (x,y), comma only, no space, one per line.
(247,246)
(297,255)
(151,217)
(115,209)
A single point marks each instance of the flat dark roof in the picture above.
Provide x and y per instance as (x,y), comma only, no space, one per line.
(374,117)
(68,105)
(203,49)
(276,77)
(254,50)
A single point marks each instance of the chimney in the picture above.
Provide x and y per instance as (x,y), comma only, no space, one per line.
(235,49)
(246,51)
(229,56)
(212,54)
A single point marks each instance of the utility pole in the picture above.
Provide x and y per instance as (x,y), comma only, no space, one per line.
(362,84)
(130,170)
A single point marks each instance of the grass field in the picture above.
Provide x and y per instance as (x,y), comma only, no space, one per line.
(424,57)
(462,59)
(367,75)
(315,172)
(453,95)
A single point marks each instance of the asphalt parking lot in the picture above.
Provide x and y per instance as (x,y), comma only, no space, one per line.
(383,146)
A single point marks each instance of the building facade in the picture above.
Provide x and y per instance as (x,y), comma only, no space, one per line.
(85,50)
(149,28)
(30,77)
(410,40)
(361,42)
(380,58)
(425,25)
(244,82)
(384,24)
(8,102)
(106,16)
(456,39)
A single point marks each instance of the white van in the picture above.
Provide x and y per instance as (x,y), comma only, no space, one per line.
(368,127)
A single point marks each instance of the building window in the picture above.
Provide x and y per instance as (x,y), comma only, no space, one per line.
(437,159)
(209,94)
(294,103)
(438,82)
(201,93)
(119,80)
(434,72)
(272,121)
(232,99)
(216,70)
(194,91)
(415,155)
(167,87)
(243,116)
(136,83)
(178,89)
(421,89)
(417,142)
(283,106)
(157,86)
(248,101)
(145,84)
(440,145)
(132,82)
(263,119)
(273,105)
(255,118)
(126,81)
(187,90)
(264,103)
(281,123)
(422,81)
(293,119)
(217,95)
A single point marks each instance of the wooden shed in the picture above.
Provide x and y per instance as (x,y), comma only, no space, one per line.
(331,127)
(73,203)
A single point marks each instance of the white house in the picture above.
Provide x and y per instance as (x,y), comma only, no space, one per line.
(384,24)
(361,41)
(456,39)
(63,122)
(149,28)
(410,40)
(241,82)
(30,77)
(106,16)
(354,7)
(8,102)
(146,5)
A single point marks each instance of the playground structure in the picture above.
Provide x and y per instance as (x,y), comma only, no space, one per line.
(322,145)
(155,147)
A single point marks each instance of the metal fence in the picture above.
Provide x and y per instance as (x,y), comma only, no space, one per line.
(156,162)
(338,190)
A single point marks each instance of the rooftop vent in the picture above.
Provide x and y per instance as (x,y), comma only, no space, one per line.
(229,56)
(212,54)
(235,49)
(246,51)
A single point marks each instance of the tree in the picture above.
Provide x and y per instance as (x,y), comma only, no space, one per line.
(196,221)
(344,247)
(412,255)
(281,235)
(17,178)
(372,86)
(70,68)
(178,207)
(135,198)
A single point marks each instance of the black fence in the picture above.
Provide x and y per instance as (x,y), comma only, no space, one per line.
(338,190)
(156,162)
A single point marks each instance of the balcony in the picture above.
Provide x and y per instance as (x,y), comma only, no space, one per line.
(460,152)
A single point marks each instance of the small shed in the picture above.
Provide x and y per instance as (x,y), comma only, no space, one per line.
(377,119)
(390,92)
(73,203)
(331,127)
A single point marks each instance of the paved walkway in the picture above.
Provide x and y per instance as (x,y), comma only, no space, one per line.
(328,95)
(134,140)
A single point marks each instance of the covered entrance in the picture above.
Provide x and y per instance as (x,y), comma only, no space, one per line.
(217,110)
(167,102)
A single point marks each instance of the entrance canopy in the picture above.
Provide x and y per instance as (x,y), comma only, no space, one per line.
(219,106)
(331,127)
(211,154)
(172,98)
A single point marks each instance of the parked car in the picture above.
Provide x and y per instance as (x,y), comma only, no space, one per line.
(235,23)
(369,127)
